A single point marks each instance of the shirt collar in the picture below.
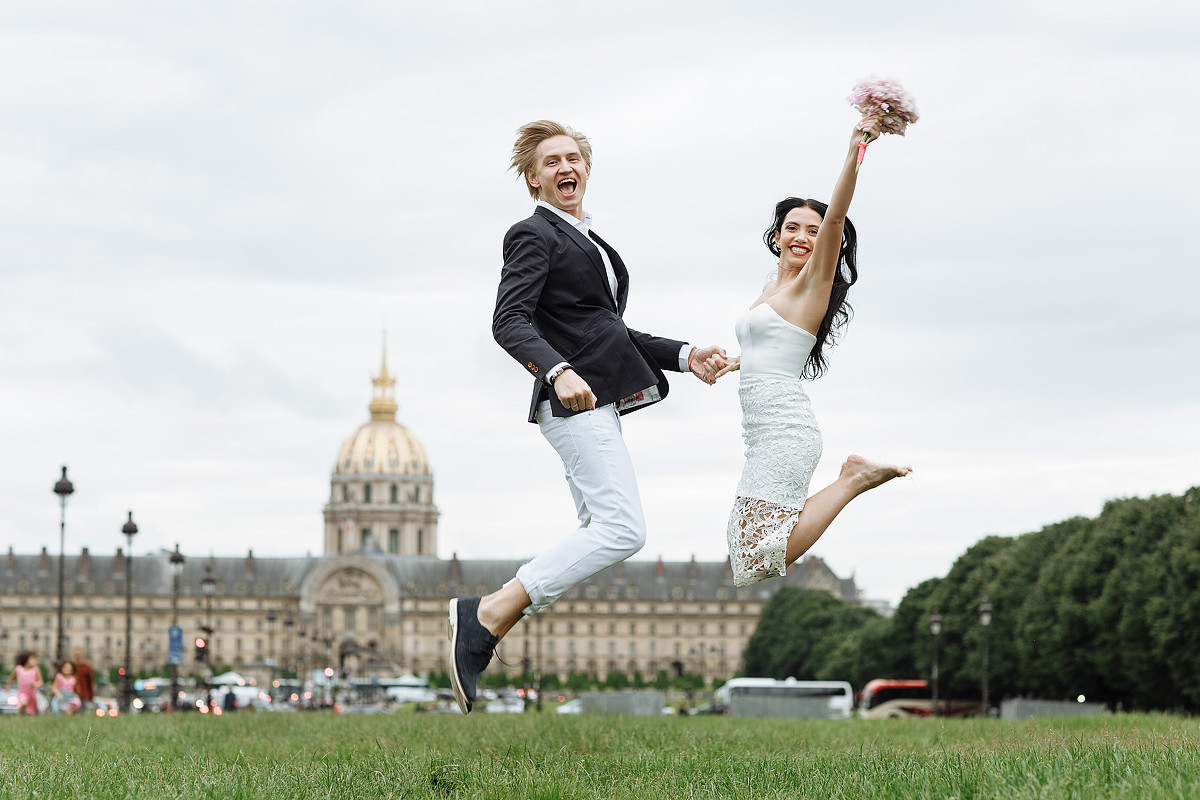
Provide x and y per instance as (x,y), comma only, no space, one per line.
(586,223)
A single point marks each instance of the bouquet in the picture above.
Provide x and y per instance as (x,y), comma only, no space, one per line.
(888,100)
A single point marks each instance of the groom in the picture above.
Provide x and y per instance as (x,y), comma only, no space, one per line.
(558,313)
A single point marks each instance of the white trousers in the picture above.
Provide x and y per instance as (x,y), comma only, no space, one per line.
(612,526)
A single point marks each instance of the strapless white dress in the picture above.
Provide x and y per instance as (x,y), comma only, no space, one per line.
(783,443)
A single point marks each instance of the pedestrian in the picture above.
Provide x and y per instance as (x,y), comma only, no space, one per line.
(85,680)
(62,688)
(29,679)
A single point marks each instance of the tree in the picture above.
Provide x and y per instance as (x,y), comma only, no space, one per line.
(789,626)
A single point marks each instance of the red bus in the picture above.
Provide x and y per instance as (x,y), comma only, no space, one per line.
(885,698)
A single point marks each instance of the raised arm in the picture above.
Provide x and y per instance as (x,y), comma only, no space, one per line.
(817,277)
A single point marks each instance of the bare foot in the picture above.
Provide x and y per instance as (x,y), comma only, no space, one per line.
(866,475)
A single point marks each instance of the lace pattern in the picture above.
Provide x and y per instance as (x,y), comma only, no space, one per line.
(783,446)
(757,535)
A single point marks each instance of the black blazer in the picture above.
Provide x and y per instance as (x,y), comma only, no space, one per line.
(554,304)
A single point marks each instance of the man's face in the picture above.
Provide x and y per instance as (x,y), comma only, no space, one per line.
(560,174)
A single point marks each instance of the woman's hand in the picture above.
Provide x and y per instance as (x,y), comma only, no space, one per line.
(869,126)
(728,364)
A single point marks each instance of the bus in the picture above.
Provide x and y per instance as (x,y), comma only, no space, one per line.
(886,698)
(841,696)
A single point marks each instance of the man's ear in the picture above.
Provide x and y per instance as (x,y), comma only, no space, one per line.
(529,176)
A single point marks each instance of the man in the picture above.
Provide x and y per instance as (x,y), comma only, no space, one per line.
(558,313)
(85,680)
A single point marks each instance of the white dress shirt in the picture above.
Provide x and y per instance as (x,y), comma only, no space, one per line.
(584,226)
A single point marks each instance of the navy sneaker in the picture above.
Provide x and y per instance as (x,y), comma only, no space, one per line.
(471,648)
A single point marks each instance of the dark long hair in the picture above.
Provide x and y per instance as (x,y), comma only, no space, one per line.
(839,313)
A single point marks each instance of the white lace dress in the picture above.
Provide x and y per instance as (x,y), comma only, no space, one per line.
(783,443)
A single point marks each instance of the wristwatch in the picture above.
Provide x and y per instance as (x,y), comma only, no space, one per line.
(554,373)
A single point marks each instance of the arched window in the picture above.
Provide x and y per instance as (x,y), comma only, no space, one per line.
(395,496)
(394,539)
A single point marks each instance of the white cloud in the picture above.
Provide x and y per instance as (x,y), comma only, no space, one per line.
(210,213)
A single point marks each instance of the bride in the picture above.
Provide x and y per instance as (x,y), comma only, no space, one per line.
(782,337)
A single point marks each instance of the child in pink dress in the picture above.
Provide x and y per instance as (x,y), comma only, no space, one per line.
(63,688)
(29,678)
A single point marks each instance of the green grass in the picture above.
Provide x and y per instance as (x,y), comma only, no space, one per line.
(552,756)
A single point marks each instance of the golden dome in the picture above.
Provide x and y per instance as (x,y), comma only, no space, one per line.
(382,446)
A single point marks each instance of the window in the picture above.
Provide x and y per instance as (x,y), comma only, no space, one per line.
(350,615)
(372,619)
(395,494)
(345,493)
(420,541)
(366,492)
(394,539)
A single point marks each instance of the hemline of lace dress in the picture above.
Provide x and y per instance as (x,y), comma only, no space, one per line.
(783,446)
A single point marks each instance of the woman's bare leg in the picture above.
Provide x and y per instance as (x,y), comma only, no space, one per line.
(857,476)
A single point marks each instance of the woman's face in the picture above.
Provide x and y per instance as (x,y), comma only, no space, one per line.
(68,668)
(796,238)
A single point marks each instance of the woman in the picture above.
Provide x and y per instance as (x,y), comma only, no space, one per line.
(28,678)
(782,338)
(63,688)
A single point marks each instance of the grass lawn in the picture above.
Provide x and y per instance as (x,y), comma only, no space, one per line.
(554,756)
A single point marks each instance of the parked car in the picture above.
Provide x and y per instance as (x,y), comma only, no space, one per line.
(506,703)
(571,707)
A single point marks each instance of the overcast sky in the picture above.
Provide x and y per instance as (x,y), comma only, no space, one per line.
(210,212)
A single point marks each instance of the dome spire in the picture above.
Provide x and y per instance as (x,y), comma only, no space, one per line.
(383,399)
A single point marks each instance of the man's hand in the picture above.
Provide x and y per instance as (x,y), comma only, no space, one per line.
(701,365)
(573,391)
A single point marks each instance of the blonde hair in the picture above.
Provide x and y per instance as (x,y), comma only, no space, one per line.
(532,134)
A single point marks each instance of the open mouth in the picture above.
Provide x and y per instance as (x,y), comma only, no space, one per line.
(567,187)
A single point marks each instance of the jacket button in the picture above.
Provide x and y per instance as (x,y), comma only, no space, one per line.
(532,367)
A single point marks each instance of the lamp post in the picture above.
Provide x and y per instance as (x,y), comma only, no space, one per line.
(129,529)
(208,587)
(985,619)
(538,687)
(64,489)
(288,625)
(935,627)
(176,559)
(271,617)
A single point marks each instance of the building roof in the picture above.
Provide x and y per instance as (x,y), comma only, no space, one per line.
(416,576)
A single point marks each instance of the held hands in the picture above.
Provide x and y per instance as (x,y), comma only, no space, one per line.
(573,391)
(704,363)
(729,364)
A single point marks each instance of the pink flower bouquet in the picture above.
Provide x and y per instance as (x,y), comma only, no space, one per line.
(888,100)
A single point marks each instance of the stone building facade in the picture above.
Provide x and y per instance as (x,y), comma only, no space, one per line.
(375,601)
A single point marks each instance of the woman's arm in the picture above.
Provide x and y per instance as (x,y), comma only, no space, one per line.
(822,265)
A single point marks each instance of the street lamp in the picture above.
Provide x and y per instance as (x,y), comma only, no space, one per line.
(271,649)
(208,586)
(935,627)
(129,529)
(176,559)
(64,489)
(985,619)
(288,625)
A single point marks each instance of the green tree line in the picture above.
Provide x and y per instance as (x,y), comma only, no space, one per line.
(1106,607)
